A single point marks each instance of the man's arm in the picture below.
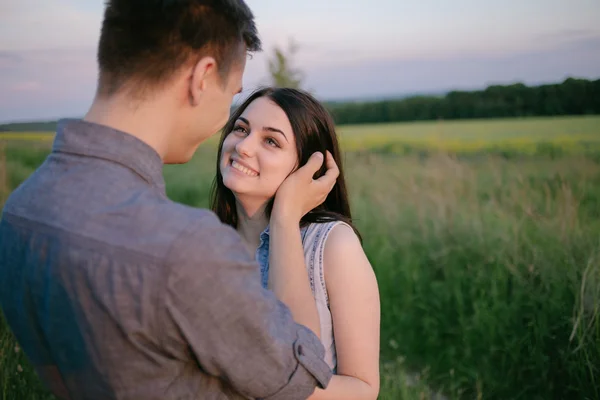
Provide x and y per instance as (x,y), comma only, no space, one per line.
(237,330)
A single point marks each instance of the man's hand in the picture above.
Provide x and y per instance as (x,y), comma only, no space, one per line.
(300,193)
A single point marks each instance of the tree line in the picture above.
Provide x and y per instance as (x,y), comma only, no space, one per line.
(571,97)
(34,126)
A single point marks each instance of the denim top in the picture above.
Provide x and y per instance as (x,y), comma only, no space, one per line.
(314,237)
(262,254)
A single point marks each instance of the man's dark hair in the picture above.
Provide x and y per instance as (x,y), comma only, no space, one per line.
(144,42)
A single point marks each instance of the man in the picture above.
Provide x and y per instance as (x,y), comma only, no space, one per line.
(113,290)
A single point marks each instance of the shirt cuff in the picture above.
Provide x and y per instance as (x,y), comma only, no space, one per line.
(311,371)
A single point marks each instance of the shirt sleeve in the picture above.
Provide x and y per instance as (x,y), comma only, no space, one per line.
(237,330)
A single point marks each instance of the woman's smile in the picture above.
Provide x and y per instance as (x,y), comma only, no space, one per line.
(239,166)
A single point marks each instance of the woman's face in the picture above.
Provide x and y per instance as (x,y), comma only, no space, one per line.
(260,152)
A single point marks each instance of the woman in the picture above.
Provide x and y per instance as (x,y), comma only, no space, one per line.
(273,133)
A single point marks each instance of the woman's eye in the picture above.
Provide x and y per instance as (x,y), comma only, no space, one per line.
(272,142)
(239,129)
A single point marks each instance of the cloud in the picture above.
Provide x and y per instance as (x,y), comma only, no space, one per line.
(9,60)
(569,34)
(27,86)
(56,82)
(398,75)
(46,83)
(34,24)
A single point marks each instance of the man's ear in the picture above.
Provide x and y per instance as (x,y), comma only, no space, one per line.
(202,72)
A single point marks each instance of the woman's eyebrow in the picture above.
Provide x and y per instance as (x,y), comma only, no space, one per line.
(271,129)
(266,128)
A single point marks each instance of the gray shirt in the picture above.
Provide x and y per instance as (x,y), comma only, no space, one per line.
(116,292)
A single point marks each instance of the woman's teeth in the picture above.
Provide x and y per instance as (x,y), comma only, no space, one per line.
(243,169)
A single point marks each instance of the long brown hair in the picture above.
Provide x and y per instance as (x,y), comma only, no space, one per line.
(314,130)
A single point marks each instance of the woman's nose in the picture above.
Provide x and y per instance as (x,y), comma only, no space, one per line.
(245,146)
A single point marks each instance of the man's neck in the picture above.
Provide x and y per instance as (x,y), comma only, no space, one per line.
(146,121)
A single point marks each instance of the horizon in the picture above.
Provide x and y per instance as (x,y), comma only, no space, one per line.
(398,97)
(350,50)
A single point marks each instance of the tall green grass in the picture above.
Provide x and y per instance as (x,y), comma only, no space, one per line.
(489,271)
(533,136)
(17,379)
(4,191)
(488,268)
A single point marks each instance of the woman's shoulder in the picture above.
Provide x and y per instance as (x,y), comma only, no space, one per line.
(345,263)
(326,225)
(331,233)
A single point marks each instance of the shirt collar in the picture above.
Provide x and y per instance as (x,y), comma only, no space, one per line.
(76,136)
(265,234)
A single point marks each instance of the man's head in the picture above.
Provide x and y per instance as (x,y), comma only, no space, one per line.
(194,50)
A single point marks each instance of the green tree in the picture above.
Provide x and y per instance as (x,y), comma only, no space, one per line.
(283,73)
(571,97)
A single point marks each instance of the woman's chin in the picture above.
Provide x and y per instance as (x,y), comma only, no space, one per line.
(237,188)
(234,188)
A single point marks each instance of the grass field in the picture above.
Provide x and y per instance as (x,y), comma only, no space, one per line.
(27,136)
(541,136)
(488,266)
(531,136)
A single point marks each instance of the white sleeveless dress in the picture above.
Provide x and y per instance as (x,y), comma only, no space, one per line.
(314,250)
(314,237)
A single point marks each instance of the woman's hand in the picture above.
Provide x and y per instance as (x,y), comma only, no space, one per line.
(288,278)
(300,193)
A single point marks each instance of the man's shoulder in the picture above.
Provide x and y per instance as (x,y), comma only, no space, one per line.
(188,225)
(204,250)
(181,217)
(145,224)
(177,217)
(198,231)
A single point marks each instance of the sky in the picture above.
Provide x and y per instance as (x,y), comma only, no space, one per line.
(348,49)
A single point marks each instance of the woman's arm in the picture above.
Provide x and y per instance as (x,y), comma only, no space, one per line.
(288,278)
(355,308)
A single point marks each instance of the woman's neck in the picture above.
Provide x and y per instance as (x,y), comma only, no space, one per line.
(252,221)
